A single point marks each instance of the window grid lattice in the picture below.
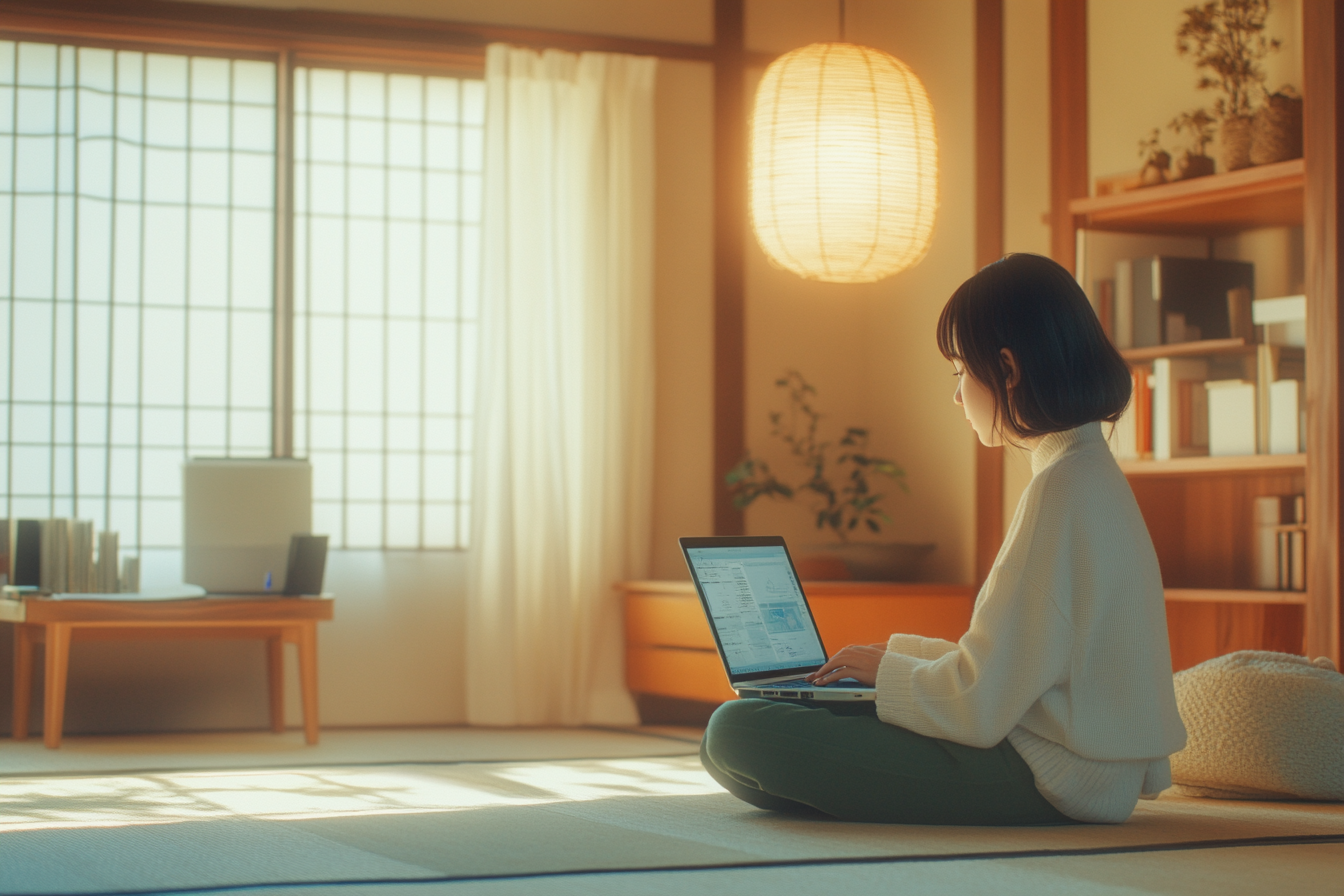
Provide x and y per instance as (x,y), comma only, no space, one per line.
(387,174)
(137,200)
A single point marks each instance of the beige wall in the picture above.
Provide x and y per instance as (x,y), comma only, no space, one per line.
(393,654)
(869,348)
(1026,164)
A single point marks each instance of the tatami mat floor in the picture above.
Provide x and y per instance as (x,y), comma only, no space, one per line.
(511,812)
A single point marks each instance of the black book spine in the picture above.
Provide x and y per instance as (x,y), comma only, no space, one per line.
(27,559)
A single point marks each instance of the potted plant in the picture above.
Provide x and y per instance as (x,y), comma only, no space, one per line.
(1227,40)
(1276,133)
(1198,126)
(1156,161)
(842,506)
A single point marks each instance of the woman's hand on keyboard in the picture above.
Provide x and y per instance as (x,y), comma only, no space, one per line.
(857,661)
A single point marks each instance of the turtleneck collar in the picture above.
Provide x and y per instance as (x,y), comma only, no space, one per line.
(1056,444)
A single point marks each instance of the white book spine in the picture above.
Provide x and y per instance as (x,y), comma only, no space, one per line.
(1297,541)
(1284,416)
(107,562)
(1231,418)
(130,575)
(1265,554)
(1163,399)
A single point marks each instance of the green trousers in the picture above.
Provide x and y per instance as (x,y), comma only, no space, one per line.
(842,761)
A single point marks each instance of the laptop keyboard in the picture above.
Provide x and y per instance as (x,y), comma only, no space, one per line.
(846,683)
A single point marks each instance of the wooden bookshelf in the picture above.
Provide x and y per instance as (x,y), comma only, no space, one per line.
(1235,596)
(1234,346)
(1199,510)
(1220,204)
(1185,466)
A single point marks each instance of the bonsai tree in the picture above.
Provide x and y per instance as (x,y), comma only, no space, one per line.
(840,506)
(1227,40)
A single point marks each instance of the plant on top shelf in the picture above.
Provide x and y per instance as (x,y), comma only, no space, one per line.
(1227,40)
(1156,160)
(841,506)
(1198,126)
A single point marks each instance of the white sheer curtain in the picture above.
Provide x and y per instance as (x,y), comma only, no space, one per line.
(563,446)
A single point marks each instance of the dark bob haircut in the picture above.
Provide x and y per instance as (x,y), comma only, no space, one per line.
(1070,373)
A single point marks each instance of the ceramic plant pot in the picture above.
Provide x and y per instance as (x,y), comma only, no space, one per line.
(1188,166)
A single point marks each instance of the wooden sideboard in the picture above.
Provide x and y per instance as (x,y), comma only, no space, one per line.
(669,650)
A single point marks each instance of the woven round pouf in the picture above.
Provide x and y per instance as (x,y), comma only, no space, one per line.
(1261,725)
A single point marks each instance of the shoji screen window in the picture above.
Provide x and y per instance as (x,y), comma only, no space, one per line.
(137,260)
(387,186)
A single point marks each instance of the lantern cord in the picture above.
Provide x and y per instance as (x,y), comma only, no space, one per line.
(842,21)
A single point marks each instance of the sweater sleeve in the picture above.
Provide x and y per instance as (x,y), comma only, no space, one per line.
(1016,649)
(919,647)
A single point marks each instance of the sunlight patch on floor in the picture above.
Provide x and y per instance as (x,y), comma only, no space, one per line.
(75,802)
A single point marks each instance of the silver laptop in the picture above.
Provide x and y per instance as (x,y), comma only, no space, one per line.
(762,624)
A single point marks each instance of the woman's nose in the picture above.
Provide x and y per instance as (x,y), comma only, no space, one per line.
(956,396)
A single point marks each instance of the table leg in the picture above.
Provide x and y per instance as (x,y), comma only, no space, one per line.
(307,632)
(23,680)
(58,665)
(275,670)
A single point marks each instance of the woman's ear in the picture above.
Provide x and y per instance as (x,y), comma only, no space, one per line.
(1012,373)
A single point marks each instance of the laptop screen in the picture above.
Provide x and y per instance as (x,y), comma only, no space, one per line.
(759,613)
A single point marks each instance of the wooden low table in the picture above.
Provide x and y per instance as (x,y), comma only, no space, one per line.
(57,623)
(670,652)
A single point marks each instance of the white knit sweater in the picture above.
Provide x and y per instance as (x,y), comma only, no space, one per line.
(1067,653)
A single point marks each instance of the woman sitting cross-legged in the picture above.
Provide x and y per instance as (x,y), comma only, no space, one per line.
(1057,705)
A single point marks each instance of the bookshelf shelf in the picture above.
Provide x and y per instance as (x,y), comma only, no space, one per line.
(1235,596)
(1185,466)
(1237,346)
(1262,196)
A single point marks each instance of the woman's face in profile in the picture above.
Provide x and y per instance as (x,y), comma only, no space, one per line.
(977,403)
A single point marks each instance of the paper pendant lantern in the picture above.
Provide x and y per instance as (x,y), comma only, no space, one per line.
(844,164)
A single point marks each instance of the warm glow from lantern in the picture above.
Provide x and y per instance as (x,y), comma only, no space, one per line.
(844,164)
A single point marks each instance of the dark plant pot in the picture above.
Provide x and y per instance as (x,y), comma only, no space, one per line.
(1236,140)
(1188,166)
(865,561)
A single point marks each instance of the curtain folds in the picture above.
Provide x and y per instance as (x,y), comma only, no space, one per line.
(563,449)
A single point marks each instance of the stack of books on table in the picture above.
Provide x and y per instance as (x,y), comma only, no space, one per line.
(57,556)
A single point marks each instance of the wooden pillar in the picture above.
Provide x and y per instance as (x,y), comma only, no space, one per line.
(988,247)
(1068,121)
(730,223)
(1323,113)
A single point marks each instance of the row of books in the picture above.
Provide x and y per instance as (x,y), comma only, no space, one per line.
(1191,407)
(1280,548)
(1163,300)
(57,556)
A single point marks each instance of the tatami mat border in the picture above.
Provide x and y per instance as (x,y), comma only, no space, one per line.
(1295,840)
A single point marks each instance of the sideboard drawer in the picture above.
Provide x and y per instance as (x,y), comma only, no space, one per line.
(670,652)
